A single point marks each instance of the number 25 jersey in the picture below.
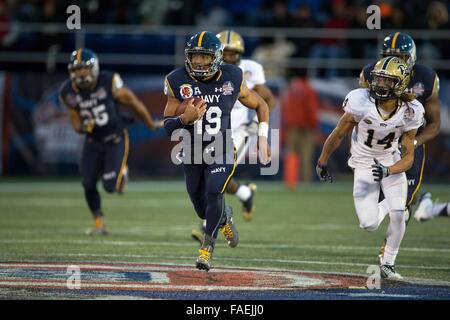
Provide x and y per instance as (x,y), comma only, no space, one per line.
(97,104)
(376,136)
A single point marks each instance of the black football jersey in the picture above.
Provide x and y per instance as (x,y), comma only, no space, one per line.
(98,104)
(220,93)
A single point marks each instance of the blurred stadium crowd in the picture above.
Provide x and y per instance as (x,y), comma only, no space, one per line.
(144,39)
(348,14)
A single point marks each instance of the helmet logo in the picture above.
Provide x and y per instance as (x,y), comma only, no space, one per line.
(402,69)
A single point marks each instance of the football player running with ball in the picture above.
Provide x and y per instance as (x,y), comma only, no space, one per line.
(380,115)
(244,122)
(209,156)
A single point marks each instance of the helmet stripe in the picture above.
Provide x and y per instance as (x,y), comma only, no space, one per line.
(386,63)
(228,37)
(79,55)
(394,40)
(200,39)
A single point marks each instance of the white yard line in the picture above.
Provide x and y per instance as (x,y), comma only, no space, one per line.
(190,244)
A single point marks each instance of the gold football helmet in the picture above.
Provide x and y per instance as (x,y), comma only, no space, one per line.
(390,78)
(232,45)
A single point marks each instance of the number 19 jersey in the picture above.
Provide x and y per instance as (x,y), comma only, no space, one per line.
(376,136)
(220,94)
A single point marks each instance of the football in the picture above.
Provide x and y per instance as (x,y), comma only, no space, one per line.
(182,107)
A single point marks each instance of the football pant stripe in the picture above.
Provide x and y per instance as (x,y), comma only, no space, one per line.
(420,177)
(124,160)
(231,174)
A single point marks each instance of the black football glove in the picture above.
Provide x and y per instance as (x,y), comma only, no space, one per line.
(379,171)
(323,173)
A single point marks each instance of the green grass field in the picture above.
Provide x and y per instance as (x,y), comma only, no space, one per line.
(313,228)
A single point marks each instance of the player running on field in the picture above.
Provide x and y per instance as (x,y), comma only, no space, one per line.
(244,122)
(208,121)
(93,97)
(380,116)
(424,84)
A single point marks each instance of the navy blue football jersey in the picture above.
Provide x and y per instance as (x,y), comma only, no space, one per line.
(220,93)
(98,104)
(423,83)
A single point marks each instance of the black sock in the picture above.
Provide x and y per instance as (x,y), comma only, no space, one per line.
(214,213)
(444,211)
(93,200)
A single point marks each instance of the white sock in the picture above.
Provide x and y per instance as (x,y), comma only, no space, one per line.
(437,208)
(243,192)
(394,236)
(383,211)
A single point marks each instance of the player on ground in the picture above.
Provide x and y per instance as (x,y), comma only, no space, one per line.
(93,97)
(427,209)
(244,122)
(380,115)
(424,83)
(208,120)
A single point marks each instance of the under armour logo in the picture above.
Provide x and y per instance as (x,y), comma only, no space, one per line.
(208,150)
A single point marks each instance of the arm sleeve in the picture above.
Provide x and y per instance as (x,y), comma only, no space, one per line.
(414,116)
(353,105)
(168,88)
(117,81)
(257,76)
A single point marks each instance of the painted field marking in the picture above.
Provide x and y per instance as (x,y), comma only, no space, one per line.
(52,276)
(281,261)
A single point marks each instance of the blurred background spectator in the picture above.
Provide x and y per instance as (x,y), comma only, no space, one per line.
(300,120)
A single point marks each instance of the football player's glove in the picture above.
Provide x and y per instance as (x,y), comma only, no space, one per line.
(88,126)
(323,173)
(379,171)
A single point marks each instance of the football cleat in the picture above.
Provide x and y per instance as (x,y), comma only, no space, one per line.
(99,227)
(205,253)
(388,272)
(228,229)
(247,206)
(425,204)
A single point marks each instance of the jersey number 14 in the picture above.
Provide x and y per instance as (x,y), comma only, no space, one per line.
(386,140)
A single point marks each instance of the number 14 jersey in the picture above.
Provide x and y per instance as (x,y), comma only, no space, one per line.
(376,136)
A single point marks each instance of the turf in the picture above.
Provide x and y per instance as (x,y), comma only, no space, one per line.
(312,228)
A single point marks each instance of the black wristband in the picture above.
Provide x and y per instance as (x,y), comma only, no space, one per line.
(171,124)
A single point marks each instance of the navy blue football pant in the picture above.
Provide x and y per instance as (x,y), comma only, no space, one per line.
(206,184)
(105,161)
(414,176)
